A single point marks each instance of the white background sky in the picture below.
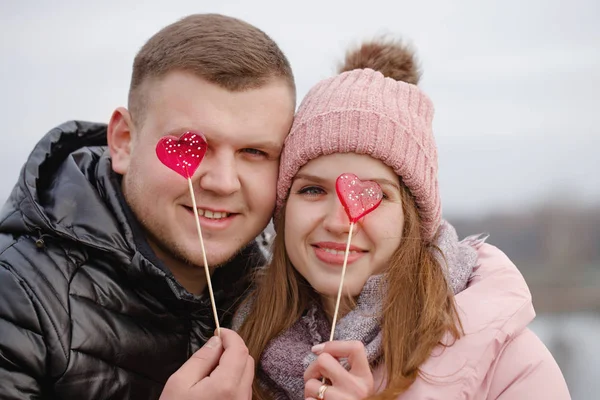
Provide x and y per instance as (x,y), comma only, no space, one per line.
(516,84)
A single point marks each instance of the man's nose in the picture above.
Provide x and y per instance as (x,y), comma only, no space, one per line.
(220,174)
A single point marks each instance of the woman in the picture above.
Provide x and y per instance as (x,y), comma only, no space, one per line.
(425,316)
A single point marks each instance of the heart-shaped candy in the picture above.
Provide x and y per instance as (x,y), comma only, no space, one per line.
(358,197)
(182,154)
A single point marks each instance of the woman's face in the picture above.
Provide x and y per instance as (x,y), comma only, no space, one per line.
(317,226)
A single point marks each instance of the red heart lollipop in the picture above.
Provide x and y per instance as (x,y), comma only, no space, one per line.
(358,197)
(183,154)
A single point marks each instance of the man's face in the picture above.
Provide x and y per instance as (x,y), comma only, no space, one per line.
(234,185)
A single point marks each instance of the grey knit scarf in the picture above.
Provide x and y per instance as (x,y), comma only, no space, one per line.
(286,357)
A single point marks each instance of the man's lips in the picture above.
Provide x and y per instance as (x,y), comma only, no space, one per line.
(212,213)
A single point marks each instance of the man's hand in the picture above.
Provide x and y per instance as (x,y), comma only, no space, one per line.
(221,369)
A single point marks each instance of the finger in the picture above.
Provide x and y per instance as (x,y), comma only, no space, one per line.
(202,362)
(327,366)
(353,350)
(231,339)
(311,391)
(199,365)
(234,358)
(248,377)
(221,384)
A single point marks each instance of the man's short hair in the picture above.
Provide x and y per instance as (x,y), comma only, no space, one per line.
(222,50)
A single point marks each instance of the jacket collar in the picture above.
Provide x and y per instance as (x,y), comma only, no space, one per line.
(67,192)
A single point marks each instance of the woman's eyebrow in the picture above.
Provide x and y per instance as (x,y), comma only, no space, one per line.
(319,179)
(308,177)
(387,182)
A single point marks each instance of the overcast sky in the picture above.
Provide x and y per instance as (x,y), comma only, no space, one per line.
(516,84)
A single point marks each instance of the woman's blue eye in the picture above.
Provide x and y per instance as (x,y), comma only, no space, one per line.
(311,190)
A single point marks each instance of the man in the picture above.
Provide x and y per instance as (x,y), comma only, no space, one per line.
(102,290)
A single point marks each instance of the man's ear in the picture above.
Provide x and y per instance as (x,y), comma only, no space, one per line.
(120,139)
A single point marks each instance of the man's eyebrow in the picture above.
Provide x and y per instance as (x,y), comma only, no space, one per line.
(266,145)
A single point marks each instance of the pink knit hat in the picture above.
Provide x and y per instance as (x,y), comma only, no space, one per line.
(361,111)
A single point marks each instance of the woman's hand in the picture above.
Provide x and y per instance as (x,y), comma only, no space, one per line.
(357,383)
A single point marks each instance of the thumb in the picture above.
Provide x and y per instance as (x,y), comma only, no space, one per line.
(201,363)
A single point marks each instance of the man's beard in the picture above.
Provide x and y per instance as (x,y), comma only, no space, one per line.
(178,253)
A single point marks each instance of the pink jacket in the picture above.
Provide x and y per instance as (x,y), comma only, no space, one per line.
(498,357)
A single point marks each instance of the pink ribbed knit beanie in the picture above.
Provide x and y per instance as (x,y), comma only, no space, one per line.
(364,112)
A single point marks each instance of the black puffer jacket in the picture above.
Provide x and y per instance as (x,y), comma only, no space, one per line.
(86,309)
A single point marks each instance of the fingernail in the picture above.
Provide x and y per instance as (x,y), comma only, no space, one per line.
(318,349)
(213,342)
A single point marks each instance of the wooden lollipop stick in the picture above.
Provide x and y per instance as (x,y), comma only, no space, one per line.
(206,269)
(339,294)
(358,198)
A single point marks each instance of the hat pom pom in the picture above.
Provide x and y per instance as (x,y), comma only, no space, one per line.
(392,58)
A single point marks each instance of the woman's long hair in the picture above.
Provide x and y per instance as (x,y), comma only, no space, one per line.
(418,309)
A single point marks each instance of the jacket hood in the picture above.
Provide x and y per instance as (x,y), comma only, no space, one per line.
(62,191)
